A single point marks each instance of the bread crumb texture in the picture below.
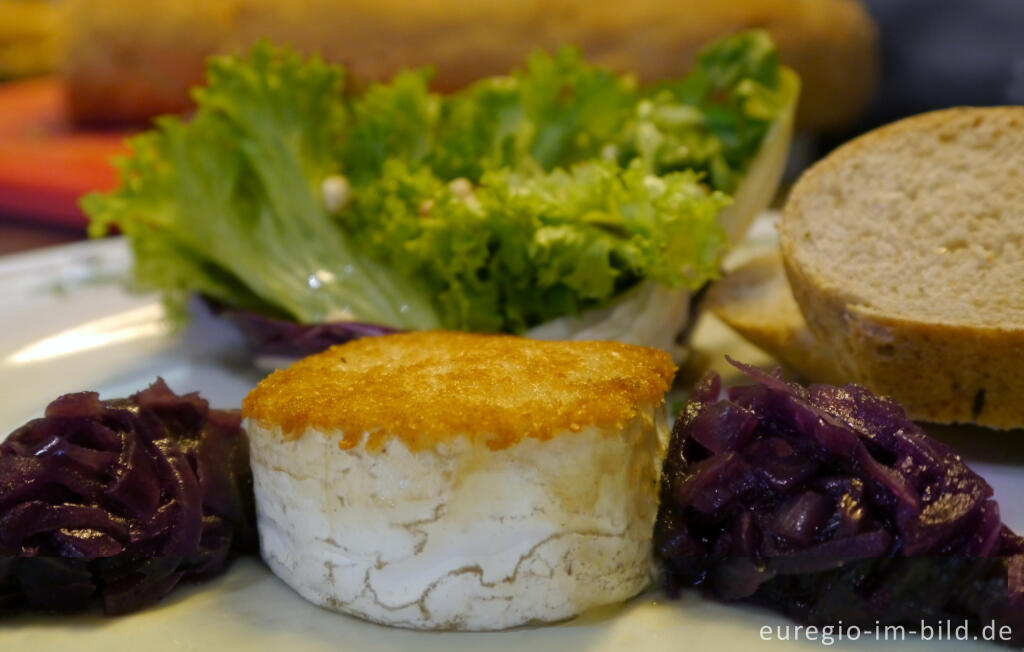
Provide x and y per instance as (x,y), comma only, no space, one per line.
(433,386)
(922,219)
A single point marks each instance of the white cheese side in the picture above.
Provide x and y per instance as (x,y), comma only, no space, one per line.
(460,536)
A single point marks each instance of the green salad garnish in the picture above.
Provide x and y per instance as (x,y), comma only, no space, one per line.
(517,200)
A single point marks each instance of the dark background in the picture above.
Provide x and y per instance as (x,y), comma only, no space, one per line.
(941,53)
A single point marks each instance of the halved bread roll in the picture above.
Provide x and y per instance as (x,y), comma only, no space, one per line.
(756,302)
(459,481)
(905,252)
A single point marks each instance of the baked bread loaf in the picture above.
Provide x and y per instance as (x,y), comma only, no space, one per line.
(127,61)
(905,251)
(756,302)
(458,481)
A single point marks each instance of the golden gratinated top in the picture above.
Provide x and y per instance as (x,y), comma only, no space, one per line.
(427,387)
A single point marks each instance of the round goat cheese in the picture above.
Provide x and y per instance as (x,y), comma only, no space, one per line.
(455,481)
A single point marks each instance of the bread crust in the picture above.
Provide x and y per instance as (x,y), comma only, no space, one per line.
(940,371)
(756,302)
(125,64)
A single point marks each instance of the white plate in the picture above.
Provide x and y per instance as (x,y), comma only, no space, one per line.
(68,324)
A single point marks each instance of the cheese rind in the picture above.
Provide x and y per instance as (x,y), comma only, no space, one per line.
(461,536)
(426,387)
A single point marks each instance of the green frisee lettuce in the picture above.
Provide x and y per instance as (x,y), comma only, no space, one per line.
(517,200)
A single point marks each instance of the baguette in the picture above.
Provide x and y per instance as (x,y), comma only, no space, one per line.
(905,251)
(127,61)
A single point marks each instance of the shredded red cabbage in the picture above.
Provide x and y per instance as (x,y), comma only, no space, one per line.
(120,500)
(829,504)
(272,336)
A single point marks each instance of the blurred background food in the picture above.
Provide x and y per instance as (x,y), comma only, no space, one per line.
(30,41)
(123,66)
(105,67)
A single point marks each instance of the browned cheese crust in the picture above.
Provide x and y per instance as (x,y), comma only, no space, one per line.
(429,387)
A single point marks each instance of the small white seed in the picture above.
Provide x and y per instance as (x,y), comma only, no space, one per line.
(336,192)
(461,187)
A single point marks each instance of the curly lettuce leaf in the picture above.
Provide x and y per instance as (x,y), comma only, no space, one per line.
(390,121)
(559,111)
(715,119)
(520,249)
(518,200)
(228,204)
